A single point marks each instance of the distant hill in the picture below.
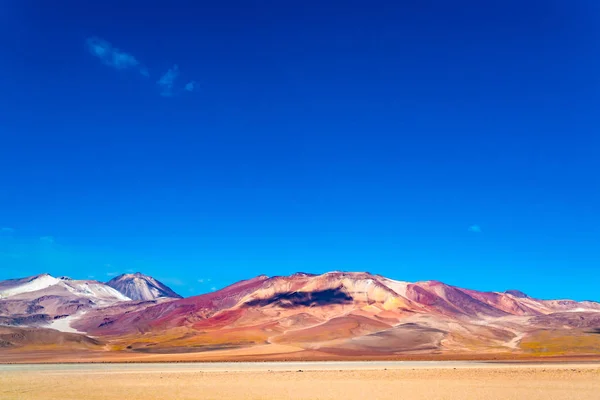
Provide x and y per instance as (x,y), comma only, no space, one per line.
(43,298)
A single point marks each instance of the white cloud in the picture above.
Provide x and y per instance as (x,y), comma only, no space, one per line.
(172,281)
(475,229)
(213,288)
(200,280)
(112,274)
(112,56)
(120,60)
(14,256)
(190,86)
(167,81)
(47,239)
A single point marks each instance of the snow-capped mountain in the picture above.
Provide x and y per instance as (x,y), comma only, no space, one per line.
(141,287)
(42,299)
(44,284)
(337,314)
(14,287)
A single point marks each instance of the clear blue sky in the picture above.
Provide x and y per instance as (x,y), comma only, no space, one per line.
(456,141)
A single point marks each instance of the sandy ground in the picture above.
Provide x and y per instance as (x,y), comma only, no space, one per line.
(338,380)
(271,352)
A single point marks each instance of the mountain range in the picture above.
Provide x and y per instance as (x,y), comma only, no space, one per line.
(301,316)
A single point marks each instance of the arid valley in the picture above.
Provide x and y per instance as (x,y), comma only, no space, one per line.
(304,380)
(304,336)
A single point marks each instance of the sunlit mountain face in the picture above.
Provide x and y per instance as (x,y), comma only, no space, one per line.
(141,287)
(337,314)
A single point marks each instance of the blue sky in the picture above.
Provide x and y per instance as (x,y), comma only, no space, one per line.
(203,143)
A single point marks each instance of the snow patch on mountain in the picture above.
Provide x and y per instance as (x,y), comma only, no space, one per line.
(20,286)
(399,287)
(141,287)
(94,290)
(64,324)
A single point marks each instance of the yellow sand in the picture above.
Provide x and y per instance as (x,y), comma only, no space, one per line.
(350,381)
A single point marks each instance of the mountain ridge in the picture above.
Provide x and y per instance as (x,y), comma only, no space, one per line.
(337,314)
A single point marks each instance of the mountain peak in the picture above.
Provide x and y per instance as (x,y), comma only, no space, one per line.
(301,274)
(24,285)
(337,312)
(517,293)
(138,286)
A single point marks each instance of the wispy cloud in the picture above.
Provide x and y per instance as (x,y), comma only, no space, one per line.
(167,81)
(91,276)
(190,86)
(113,57)
(213,288)
(200,280)
(172,281)
(6,229)
(118,59)
(47,239)
(475,229)
(112,274)
(13,256)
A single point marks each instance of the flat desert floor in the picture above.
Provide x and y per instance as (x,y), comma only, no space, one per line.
(301,380)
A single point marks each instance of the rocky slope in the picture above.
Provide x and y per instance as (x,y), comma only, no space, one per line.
(44,300)
(345,313)
(141,287)
(336,314)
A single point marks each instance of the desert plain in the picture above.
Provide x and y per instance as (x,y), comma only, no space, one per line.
(301,380)
(339,335)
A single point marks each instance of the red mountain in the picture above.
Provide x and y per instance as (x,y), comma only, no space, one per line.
(342,314)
